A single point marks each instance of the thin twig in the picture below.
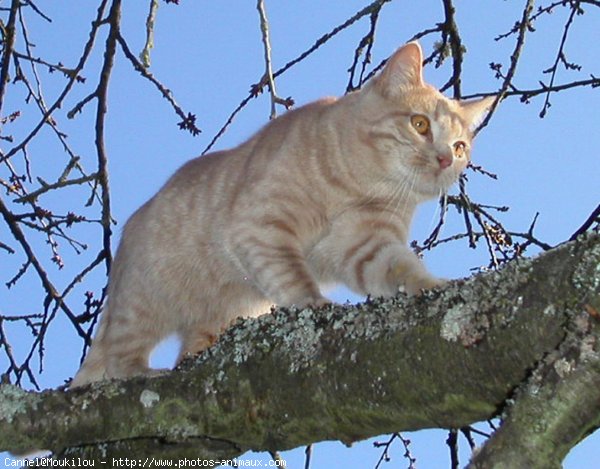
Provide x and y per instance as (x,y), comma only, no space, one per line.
(32,196)
(114,18)
(149,45)
(451,36)
(268,76)
(593,218)
(187,120)
(452,442)
(308,456)
(526,95)
(559,56)
(8,44)
(318,43)
(58,102)
(367,41)
(523,27)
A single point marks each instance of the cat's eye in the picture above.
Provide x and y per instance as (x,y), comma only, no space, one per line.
(420,123)
(460,148)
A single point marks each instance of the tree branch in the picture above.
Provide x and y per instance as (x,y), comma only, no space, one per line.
(114,19)
(9,43)
(522,27)
(268,76)
(446,359)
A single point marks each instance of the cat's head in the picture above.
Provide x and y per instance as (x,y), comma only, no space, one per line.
(424,137)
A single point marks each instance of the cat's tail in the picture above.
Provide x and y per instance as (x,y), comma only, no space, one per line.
(93,367)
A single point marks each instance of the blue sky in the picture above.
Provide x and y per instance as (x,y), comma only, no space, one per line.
(210,53)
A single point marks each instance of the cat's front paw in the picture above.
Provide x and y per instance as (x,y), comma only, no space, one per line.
(416,286)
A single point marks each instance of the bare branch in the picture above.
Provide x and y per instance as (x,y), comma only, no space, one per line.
(451,38)
(560,56)
(593,218)
(461,332)
(150,20)
(9,44)
(187,121)
(522,27)
(268,76)
(32,196)
(58,102)
(114,18)
(318,43)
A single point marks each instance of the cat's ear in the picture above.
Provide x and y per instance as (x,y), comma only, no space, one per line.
(404,69)
(474,110)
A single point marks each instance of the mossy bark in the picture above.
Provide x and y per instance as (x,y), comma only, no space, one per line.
(293,377)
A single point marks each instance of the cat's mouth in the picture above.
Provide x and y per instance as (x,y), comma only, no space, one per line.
(443,178)
(434,182)
(438,173)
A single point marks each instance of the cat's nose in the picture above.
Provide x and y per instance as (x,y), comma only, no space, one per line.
(445,160)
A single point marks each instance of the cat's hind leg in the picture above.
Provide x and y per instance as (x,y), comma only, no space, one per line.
(193,341)
(130,341)
(122,346)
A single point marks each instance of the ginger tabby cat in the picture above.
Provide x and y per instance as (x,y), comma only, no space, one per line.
(324,194)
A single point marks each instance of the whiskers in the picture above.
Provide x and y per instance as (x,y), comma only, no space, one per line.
(394,194)
(409,180)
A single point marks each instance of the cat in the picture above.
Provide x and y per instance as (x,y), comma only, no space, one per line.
(323,194)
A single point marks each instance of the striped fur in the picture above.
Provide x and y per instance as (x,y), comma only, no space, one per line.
(323,194)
